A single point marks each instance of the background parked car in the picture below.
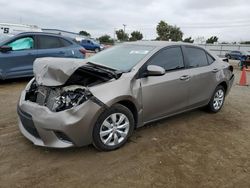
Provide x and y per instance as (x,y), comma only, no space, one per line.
(91,45)
(238,55)
(18,53)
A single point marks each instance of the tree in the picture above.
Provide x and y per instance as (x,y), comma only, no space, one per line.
(136,35)
(106,39)
(212,40)
(167,32)
(121,35)
(176,34)
(84,33)
(245,42)
(188,40)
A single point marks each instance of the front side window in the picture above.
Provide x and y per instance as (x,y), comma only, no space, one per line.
(49,42)
(197,57)
(169,59)
(24,43)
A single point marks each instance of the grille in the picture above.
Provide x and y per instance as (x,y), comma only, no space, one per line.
(27,122)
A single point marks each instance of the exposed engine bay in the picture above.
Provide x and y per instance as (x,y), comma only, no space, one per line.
(58,99)
(73,92)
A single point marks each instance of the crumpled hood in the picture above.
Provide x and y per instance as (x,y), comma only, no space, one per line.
(55,71)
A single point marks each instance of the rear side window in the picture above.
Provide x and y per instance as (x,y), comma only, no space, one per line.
(24,43)
(210,59)
(197,57)
(169,59)
(48,42)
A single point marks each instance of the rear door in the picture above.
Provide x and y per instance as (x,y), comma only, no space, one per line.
(19,61)
(167,94)
(202,76)
(52,46)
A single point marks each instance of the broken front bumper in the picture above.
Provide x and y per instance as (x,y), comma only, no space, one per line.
(63,129)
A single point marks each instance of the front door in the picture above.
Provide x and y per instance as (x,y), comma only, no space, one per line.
(167,94)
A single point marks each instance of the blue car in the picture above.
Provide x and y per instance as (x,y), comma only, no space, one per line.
(91,45)
(238,55)
(18,53)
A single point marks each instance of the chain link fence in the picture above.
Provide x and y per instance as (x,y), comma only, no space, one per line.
(222,49)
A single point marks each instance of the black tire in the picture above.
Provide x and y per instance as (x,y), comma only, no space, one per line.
(117,108)
(211,107)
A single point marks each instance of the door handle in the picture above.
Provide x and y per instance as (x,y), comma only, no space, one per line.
(61,52)
(215,70)
(185,77)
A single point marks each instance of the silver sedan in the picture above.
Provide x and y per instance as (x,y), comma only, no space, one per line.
(102,99)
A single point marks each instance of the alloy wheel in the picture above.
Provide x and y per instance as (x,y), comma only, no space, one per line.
(114,129)
(218,99)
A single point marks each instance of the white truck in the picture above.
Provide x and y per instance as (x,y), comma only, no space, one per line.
(8,29)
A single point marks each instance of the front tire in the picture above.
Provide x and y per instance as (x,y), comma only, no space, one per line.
(217,100)
(113,128)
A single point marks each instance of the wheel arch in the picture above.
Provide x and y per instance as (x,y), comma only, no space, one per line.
(132,107)
(224,85)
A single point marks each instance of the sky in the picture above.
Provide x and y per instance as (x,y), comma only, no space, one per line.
(227,19)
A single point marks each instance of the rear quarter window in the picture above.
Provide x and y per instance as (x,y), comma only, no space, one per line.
(210,59)
(65,43)
(196,57)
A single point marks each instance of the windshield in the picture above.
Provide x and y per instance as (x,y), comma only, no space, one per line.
(122,57)
(95,42)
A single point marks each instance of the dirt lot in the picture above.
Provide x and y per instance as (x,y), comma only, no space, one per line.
(195,149)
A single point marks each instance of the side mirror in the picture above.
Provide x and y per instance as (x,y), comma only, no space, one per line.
(5,49)
(154,70)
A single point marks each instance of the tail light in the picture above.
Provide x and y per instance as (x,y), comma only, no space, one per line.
(83,51)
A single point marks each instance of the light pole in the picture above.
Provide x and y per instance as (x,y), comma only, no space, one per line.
(124,26)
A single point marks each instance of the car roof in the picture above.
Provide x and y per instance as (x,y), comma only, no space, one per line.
(37,33)
(159,43)
(42,33)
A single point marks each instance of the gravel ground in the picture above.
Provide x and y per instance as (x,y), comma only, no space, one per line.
(195,149)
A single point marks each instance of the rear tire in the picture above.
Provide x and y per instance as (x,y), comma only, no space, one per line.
(216,102)
(113,128)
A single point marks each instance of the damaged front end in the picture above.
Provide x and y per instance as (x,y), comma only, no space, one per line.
(57,108)
(65,90)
